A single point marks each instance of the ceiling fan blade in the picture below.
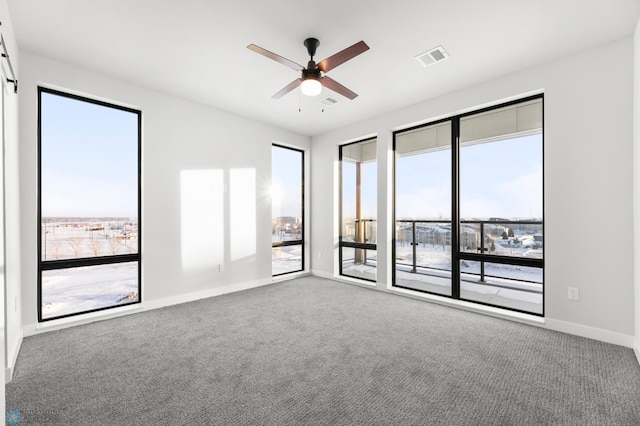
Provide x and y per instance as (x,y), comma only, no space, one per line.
(343,56)
(330,83)
(286,89)
(275,57)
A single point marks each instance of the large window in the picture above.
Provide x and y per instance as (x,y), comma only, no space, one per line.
(358,227)
(423,209)
(469,207)
(287,198)
(88,205)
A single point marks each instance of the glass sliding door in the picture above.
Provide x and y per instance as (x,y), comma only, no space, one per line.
(88,205)
(287,198)
(358,210)
(501,211)
(469,207)
(423,251)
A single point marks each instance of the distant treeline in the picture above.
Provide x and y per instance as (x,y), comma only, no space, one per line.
(88,219)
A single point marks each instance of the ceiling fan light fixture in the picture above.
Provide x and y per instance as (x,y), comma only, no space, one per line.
(311,87)
(312,79)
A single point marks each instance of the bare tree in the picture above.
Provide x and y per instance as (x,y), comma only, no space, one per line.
(113,244)
(443,240)
(94,245)
(75,243)
(55,247)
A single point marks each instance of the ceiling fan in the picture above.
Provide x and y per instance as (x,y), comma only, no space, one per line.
(312,80)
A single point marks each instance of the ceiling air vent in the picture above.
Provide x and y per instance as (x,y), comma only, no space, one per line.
(328,101)
(432,56)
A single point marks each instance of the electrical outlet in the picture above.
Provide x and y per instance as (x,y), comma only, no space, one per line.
(574,293)
(221,267)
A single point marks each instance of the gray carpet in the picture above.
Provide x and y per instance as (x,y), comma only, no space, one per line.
(316,352)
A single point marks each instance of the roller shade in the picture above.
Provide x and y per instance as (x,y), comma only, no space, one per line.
(504,122)
(360,152)
(424,139)
(515,120)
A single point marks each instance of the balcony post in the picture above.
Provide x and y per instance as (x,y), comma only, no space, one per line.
(413,243)
(482,249)
(360,225)
(364,239)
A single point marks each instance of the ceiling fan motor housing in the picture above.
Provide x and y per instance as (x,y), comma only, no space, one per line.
(311,77)
(312,44)
(312,72)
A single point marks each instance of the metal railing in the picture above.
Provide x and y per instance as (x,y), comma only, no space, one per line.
(478,241)
(483,241)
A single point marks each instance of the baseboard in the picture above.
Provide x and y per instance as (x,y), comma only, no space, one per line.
(33,329)
(590,332)
(548,323)
(12,356)
(344,279)
(290,276)
(322,274)
(552,324)
(204,294)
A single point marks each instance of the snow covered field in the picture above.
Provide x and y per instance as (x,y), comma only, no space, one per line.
(286,259)
(74,238)
(434,257)
(73,290)
(80,289)
(511,286)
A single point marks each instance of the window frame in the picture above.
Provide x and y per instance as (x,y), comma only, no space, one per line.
(456,254)
(46,265)
(351,244)
(299,242)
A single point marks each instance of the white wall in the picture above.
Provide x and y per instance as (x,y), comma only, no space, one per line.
(178,136)
(11,321)
(636,182)
(588,183)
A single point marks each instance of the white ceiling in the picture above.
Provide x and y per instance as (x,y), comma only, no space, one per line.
(196,49)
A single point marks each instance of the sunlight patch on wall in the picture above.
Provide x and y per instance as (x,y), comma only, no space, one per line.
(242,212)
(202,218)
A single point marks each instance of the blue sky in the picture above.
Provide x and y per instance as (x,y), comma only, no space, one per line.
(497,179)
(502,179)
(89,169)
(89,159)
(286,183)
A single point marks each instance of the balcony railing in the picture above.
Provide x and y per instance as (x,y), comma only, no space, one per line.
(357,243)
(484,246)
(510,242)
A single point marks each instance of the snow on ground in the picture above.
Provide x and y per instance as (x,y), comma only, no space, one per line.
(67,291)
(67,239)
(73,290)
(286,259)
(434,257)
(516,287)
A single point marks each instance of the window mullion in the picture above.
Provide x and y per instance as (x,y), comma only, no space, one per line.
(455,208)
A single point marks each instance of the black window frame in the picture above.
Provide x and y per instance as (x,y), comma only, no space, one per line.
(45,265)
(351,244)
(456,254)
(299,242)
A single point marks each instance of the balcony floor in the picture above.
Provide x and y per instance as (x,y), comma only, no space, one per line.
(506,293)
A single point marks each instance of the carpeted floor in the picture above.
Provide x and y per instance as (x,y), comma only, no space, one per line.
(316,352)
